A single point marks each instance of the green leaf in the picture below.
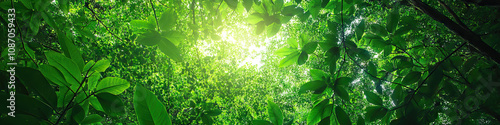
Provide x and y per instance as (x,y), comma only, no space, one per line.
(312,86)
(360,29)
(25,105)
(175,37)
(66,66)
(214,112)
(304,16)
(255,18)
(95,103)
(375,112)
(342,116)
(402,30)
(343,81)
(53,74)
(168,20)
(285,51)
(36,82)
(261,26)
(392,20)
(27,4)
(149,110)
(278,4)
(325,121)
(292,10)
(169,49)
(48,19)
(93,80)
(304,39)
(94,118)
(100,66)
(373,98)
(64,5)
(378,29)
(139,24)
(69,49)
(310,47)
(248,4)
(289,60)
(298,1)
(207,120)
(411,78)
(318,111)
(332,26)
(397,95)
(302,58)
(273,29)
(360,121)
(315,7)
(34,23)
(232,4)
(364,54)
(77,113)
(372,69)
(341,92)
(261,122)
(317,74)
(112,85)
(149,38)
(275,114)
(111,104)
(292,42)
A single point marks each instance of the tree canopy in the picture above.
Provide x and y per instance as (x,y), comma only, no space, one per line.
(261,62)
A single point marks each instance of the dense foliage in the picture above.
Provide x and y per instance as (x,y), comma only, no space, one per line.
(250,62)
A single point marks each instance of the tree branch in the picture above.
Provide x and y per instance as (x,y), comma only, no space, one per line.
(471,37)
(452,13)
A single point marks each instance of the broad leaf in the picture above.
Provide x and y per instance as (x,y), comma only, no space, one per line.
(111,104)
(169,49)
(168,20)
(275,114)
(342,116)
(310,47)
(360,29)
(319,111)
(312,86)
(285,51)
(411,78)
(149,110)
(342,93)
(66,66)
(302,58)
(373,98)
(36,82)
(378,29)
(149,38)
(392,20)
(290,59)
(375,112)
(112,85)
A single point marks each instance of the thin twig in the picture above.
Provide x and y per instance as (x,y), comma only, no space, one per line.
(100,22)
(154,12)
